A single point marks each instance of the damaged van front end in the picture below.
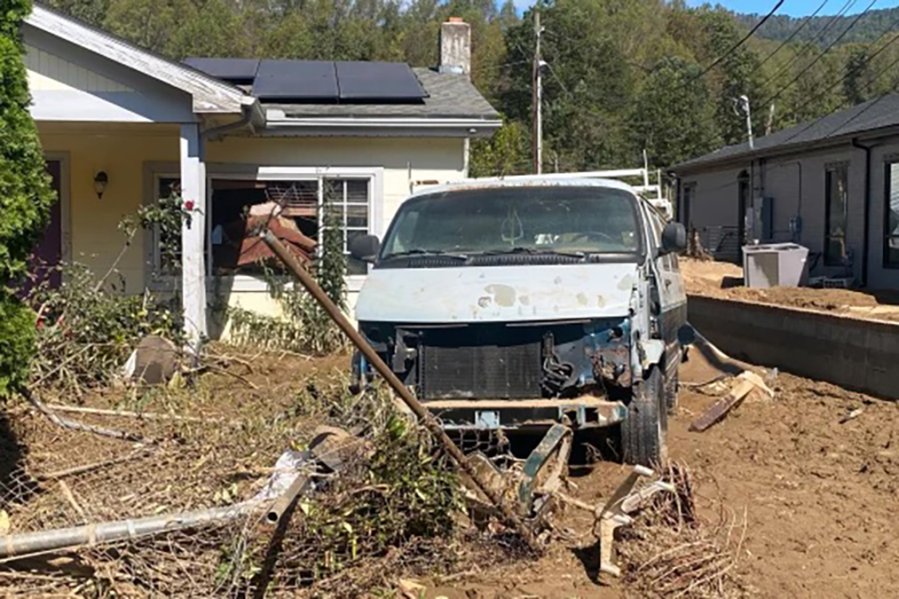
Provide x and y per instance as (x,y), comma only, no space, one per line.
(516,305)
(522,348)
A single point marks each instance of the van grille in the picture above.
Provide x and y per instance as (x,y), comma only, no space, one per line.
(489,362)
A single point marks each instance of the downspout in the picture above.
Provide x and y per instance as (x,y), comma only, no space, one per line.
(251,114)
(867,210)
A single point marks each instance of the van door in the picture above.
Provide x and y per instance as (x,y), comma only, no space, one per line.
(672,294)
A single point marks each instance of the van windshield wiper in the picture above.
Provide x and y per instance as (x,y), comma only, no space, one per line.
(534,252)
(421,252)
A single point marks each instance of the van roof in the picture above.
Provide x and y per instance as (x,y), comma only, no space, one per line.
(556,180)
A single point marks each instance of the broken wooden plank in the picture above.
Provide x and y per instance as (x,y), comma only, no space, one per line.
(720,408)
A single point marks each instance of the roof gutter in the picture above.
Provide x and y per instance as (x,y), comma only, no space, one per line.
(278,124)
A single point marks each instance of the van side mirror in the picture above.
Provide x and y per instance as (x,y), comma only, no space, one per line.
(365,248)
(674,238)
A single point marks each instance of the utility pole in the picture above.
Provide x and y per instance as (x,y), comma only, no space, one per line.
(744,106)
(770,124)
(537,97)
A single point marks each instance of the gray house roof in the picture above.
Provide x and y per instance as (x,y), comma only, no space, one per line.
(448,96)
(869,117)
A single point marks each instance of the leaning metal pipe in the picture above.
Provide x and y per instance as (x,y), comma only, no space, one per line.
(424,416)
(300,485)
(121,530)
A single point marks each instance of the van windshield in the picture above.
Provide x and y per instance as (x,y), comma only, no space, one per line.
(577,221)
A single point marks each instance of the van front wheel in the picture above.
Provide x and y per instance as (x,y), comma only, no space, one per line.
(644,430)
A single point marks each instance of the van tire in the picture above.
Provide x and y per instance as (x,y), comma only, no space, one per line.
(644,431)
(671,388)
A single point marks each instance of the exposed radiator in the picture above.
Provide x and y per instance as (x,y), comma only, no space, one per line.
(480,362)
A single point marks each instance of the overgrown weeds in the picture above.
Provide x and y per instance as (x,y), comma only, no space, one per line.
(87,324)
(670,552)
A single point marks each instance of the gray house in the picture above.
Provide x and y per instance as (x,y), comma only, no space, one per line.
(831,185)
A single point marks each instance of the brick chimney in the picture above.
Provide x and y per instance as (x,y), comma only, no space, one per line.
(455,47)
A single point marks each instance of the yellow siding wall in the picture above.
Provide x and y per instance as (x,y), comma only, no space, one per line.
(94,238)
(123,152)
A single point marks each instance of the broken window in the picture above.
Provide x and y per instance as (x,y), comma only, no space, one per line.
(891,217)
(836,192)
(292,209)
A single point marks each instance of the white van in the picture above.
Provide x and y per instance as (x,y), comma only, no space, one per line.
(518,303)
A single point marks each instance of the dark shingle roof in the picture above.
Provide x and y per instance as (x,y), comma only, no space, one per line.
(875,114)
(449,96)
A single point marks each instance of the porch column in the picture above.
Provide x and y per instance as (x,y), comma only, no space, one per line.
(193,264)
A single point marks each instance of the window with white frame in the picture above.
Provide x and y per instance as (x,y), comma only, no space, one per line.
(238,205)
(891,217)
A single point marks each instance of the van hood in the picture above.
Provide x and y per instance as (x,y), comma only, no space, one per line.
(468,294)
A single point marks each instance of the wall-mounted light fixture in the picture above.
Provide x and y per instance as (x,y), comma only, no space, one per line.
(101,180)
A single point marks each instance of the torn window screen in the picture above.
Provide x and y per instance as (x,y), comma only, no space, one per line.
(290,208)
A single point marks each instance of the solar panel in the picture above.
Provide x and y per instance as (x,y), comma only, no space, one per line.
(380,81)
(296,80)
(235,70)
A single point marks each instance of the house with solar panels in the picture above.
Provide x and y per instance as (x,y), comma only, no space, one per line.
(122,127)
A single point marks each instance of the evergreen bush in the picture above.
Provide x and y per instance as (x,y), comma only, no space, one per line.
(25,197)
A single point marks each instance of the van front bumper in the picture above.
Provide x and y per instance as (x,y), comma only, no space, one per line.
(516,414)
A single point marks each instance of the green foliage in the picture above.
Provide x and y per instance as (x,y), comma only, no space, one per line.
(25,197)
(25,194)
(506,153)
(17,342)
(674,127)
(86,328)
(603,61)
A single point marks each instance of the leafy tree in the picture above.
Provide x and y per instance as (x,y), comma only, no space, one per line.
(506,153)
(25,197)
(673,117)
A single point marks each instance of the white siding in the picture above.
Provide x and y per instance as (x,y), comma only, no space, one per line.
(49,72)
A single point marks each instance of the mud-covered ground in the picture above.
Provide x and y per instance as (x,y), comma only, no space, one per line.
(725,280)
(819,498)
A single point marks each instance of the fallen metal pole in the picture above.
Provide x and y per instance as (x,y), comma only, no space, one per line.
(300,485)
(120,530)
(426,418)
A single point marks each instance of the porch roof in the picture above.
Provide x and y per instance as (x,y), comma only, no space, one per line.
(210,96)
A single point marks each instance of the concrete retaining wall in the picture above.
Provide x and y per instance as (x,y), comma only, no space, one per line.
(855,354)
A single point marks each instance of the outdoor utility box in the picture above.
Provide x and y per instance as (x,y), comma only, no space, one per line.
(775,265)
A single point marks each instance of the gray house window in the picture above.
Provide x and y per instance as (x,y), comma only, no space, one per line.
(836,214)
(891,217)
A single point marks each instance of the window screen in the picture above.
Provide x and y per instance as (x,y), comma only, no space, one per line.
(891,217)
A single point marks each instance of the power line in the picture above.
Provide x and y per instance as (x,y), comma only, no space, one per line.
(820,56)
(819,36)
(737,45)
(796,31)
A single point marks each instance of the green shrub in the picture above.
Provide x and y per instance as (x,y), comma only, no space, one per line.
(17,342)
(25,196)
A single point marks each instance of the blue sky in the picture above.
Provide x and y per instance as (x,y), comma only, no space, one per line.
(797,8)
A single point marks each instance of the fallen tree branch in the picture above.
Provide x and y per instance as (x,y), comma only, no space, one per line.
(140,452)
(74,424)
(129,414)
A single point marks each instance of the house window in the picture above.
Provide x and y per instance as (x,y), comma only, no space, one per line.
(237,206)
(166,243)
(891,217)
(689,192)
(836,193)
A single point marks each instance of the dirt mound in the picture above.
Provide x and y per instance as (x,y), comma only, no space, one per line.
(725,281)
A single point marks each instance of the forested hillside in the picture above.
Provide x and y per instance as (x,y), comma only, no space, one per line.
(826,29)
(622,75)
